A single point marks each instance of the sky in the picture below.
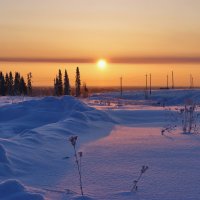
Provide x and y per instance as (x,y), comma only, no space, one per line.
(77,32)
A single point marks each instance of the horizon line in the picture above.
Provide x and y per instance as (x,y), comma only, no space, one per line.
(114,60)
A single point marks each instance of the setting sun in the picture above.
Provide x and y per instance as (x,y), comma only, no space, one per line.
(102,64)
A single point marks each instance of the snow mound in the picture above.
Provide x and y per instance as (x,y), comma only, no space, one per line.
(81,198)
(125,195)
(3,156)
(38,109)
(29,115)
(13,190)
(34,113)
(35,131)
(4,163)
(79,116)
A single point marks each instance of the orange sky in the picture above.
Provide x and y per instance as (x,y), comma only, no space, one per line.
(133,74)
(117,30)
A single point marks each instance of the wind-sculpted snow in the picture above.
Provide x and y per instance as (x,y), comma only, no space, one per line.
(36,158)
(3,156)
(33,140)
(24,116)
(5,169)
(13,190)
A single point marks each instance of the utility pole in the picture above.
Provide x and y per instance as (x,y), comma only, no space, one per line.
(121,89)
(146,83)
(167,82)
(191,81)
(150,84)
(146,88)
(172,80)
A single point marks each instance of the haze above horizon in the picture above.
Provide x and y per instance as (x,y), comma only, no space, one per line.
(94,29)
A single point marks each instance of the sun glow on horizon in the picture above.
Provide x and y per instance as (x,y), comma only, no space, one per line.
(102,64)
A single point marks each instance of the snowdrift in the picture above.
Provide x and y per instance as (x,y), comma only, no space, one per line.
(36,113)
(35,151)
(33,141)
(3,156)
(14,190)
(5,168)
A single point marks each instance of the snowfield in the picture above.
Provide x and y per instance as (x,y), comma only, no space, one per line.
(117,137)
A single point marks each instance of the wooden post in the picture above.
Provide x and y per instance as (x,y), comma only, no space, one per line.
(146,83)
(146,88)
(121,89)
(172,80)
(150,84)
(191,81)
(167,81)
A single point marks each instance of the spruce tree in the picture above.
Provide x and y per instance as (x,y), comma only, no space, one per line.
(1,75)
(78,83)
(56,86)
(29,84)
(60,83)
(67,89)
(22,87)
(85,91)
(17,84)
(2,84)
(6,83)
(10,84)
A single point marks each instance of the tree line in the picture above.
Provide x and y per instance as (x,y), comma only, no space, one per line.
(62,85)
(15,85)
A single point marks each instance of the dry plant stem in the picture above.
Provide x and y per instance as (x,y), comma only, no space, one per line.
(135,182)
(79,170)
(185,120)
(143,170)
(80,164)
(190,120)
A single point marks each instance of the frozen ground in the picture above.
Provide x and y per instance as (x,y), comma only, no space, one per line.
(138,98)
(13,99)
(116,136)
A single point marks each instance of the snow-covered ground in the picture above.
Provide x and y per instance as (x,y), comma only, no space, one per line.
(116,136)
(137,97)
(15,99)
